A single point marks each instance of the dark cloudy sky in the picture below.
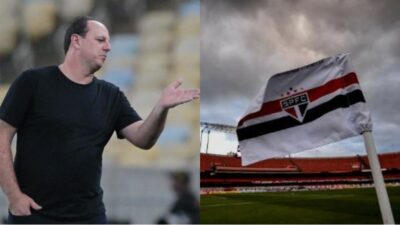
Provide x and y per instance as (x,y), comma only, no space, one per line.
(243,43)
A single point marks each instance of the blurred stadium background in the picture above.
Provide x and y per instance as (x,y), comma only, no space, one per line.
(153,43)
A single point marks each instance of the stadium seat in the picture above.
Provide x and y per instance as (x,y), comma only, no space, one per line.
(156,21)
(124,45)
(122,78)
(175,134)
(188,26)
(39,18)
(189,8)
(8,26)
(143,100)
(159,41)
(70,9)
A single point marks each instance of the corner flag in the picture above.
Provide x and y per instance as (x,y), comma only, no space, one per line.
(303,109)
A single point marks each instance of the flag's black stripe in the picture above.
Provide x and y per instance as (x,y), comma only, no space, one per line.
(340,101)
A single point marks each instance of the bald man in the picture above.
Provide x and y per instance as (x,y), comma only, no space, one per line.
(63,117)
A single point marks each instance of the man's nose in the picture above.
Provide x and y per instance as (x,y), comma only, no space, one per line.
(107,46)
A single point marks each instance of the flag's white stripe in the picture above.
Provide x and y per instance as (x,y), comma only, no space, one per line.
(263,119)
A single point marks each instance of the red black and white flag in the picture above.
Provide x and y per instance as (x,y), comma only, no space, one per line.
(303,109)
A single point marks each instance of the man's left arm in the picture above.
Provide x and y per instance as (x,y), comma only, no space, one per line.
(144,133)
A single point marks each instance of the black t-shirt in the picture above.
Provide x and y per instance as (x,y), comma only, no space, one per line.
(62,128)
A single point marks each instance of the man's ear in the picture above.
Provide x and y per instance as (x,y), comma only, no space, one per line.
(75,41)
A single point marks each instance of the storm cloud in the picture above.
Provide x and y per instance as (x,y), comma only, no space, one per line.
(243,43)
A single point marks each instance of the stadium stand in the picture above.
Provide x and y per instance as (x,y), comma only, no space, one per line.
(226,171)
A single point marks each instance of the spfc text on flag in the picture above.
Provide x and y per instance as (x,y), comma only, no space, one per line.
(303,109)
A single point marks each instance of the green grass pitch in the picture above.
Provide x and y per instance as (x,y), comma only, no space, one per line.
(307,207)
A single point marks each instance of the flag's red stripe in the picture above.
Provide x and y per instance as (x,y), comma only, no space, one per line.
(332,86)
(313,94)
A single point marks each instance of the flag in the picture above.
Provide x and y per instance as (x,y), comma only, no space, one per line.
(303,109)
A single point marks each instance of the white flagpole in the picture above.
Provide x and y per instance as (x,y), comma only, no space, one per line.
(377,177)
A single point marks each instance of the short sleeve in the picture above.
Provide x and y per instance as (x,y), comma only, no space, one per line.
(18,100)
(126,116)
